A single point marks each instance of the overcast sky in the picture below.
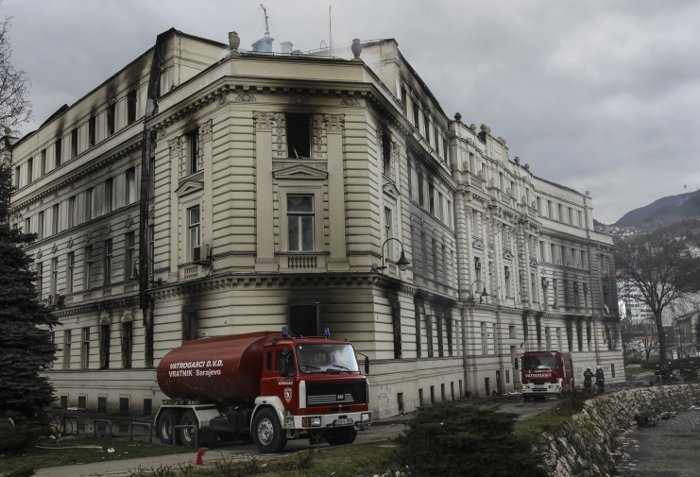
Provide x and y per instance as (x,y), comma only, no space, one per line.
(597,95)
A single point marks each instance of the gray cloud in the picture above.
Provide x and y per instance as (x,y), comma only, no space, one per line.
(600,96)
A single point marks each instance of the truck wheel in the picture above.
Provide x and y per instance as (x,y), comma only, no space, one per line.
(166,421)
(187,434)
(267,432)
(338,437)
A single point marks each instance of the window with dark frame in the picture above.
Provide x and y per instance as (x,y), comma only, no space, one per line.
(130,185)
(194,234)
(129,255)
(108,193)
(54,219)
(58,152)
(30,170)
(298,135)
(71,211)
(107,263)
(127,343)
(190,324)
(91,130)
(87,272)
(111,115)
(88,204)
(105,336)
(39,279)
(74,143)
(131,107)
(70,272)
(386,151)
(67,349)
(43,162)
(54,276)
(300,222)
(85,348)
(40,225)
(192,141)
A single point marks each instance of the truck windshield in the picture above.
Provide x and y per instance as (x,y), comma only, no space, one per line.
(326,358)
(539,362)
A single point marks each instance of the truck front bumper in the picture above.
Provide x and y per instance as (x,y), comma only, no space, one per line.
(544,389)
(360,420)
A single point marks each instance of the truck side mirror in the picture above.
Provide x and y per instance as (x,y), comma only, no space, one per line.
(366,365)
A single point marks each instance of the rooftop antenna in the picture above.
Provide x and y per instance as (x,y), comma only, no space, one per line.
(267,23)
(330,31)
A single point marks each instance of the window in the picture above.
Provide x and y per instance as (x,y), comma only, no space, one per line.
(484,339)
(71,211)
(386,151)
(54,219)
(131,107)
(58,152)
(88,204)
(74,143)
(300,222)
(192,141)
(70,271)
(127,342)
(43,162)
(105,331)
(194,234)
(39,279)
(130,192)
(441,208)
(54,276)
(87,272)
(190,326)
(107,263)
(40,225)
(477,270)
(421,195)
(431,197)
(67,350)
(416,115)
(18,171)
(30,170)
(108,189)
(388,221)
(85,349)
(298,135)
(91,130)
(27,225)
(129,255)
(111,114)
(409,169)
(426,128)
(506,276)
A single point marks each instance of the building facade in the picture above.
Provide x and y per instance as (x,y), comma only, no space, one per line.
(203,191)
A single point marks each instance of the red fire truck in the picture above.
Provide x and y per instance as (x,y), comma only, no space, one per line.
(546,373)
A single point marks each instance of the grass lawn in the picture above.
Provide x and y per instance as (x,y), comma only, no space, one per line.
(82,450)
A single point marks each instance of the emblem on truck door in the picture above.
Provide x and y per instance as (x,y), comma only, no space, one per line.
(288,394)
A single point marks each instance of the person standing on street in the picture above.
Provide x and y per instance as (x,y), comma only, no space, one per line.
(587,380)
(600,379)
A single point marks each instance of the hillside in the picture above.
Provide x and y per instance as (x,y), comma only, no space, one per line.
(663,212)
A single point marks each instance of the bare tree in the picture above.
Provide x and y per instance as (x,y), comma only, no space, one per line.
(15,107)
(658,269)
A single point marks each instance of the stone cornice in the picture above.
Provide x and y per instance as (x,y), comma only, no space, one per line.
(96,306)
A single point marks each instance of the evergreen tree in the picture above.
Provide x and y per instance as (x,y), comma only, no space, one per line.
(26,346)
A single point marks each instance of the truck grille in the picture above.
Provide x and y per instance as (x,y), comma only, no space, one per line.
(323,394)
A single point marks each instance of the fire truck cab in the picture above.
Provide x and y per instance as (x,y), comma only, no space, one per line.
(546,373)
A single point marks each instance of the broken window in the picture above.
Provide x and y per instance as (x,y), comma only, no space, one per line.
(298,135)
(190,326)
(192,141)
(30,170)
(58,152)
(74,143)
(131,107)
(91,130)
(111,115)
(105,331)
(127,341)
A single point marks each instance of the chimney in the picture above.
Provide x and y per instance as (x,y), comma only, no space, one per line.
(286,47)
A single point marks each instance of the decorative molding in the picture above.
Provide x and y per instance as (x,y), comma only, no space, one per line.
(508,254)
(299,100)
(205,134)
(245,97)
(350,101)
(263,120)
(190,186)
(300,171)
(335,123)
(390,190)
(478,244)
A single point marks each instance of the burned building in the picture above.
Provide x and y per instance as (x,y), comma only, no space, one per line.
(202,191)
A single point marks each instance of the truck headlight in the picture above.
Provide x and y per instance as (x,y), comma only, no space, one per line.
(365,417)
(311,421)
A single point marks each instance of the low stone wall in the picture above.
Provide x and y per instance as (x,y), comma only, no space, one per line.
(583,448)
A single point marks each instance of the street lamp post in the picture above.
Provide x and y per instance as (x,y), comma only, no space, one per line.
(482,295)
(402,262)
